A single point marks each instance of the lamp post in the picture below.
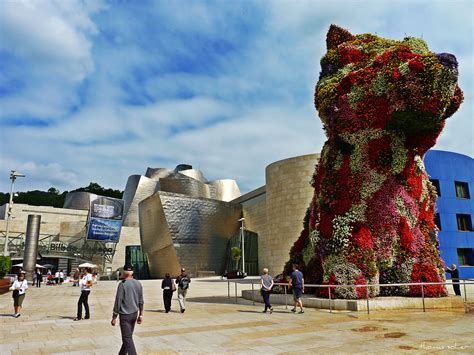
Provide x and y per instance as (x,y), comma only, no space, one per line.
(13,175)
(242,238)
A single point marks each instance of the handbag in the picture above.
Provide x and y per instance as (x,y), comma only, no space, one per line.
(16,293)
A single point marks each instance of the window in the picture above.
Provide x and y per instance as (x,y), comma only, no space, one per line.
(464,222)
(462,189)
(435,183)
(437,221)
(466,257)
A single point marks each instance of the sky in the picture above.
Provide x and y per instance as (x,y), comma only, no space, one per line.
(101,90)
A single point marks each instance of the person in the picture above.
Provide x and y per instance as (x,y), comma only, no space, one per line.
(297,284)
(61,277)
(183,281)
(117,274)
(19,288)
(56,277)
(129,306)
(76,276)
(454,278)
(266,283)
(39,278)
(168,288)
(85,283)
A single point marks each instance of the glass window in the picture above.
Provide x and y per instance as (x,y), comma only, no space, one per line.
(462,189)
(466,257)
(437,221)
(464,222)
(435,183)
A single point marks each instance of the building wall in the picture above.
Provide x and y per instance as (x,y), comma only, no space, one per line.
(448,167)
(128,236)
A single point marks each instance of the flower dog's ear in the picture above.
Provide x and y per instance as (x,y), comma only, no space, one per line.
(337,35)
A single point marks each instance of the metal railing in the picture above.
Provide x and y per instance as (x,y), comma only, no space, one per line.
(464,282)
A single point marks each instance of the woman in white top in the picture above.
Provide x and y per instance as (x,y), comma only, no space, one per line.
(85,283)
(19,288)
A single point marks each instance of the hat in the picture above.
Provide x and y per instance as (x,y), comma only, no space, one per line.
(127,267)
(22,272)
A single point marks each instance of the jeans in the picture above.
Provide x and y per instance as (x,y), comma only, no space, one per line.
(127,326)
(167,295)
(181,296)
(83,300)
(266,299)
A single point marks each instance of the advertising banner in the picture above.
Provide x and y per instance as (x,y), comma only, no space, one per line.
(105,219)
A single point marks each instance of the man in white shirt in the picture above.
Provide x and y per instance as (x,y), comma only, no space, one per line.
(85,284)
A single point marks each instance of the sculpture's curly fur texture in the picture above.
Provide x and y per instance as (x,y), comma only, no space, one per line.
(383,104)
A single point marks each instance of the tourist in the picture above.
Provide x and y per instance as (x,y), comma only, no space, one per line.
(19,288)
(454,278)
(297,284)
(61,277)
(56,277)
(183,281)
(76,276)
(129,306)
(266,283)
(85,283)
(39,278)
(168,287)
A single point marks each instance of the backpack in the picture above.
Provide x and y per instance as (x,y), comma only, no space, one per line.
(184,283)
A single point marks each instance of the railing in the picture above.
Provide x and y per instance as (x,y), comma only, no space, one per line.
(329,287)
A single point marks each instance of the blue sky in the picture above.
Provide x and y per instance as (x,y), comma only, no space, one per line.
(98,91)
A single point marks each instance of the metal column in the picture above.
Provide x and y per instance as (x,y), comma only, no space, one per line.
(31,245)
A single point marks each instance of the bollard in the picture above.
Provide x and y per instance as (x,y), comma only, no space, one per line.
(235,283)
(423,297)
(465,294)
(367,294)
(228,289)
(286,298)
(329,294)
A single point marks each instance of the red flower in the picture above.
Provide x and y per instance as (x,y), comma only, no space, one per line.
(396,74)
(415,65)
(363,238)
(406,238)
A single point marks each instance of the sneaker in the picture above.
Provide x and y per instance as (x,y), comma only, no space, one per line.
(293,310)
(182,311)
(265,311)
(76,319)
(271,310)
(17,315)
(302,311)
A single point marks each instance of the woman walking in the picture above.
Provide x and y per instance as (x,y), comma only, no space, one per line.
(266,283)
(168,288)
(85,283)
(19,288)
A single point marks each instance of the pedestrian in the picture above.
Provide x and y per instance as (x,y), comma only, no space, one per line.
(76,276)
(266,283)
(297,284)
(168,287)
(19,288)
(454,278)
(183,281)
(56,277)
(61,277)
(39,278)
(85,283)
(129,306)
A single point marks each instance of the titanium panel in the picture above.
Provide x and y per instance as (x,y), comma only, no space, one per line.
(182,184)
(182,231)
(31,244)
(137,189)
(78,200)
(225,189)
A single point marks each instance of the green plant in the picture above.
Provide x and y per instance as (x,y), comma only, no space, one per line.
(5,265)
(235,253)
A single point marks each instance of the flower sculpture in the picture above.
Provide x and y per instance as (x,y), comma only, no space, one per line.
(383,103)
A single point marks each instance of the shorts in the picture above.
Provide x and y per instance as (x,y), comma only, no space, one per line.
(18,301)
(297,293)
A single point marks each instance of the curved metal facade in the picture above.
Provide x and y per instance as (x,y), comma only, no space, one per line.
(137,189)
(182,231)
(78,200)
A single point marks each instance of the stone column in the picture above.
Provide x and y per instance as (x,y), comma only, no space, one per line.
(31,245)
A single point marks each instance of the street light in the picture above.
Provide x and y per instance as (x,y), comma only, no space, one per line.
(242,238)
(13,175)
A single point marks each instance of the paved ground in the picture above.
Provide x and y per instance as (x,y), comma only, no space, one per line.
(214,324)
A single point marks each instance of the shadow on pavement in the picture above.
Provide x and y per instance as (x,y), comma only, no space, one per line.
(216,300)
(6,315)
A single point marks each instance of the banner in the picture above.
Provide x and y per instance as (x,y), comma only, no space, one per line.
(105,219)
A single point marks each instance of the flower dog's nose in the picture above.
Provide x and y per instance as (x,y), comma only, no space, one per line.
(448,60)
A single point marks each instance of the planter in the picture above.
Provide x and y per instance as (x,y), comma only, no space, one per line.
(4,285)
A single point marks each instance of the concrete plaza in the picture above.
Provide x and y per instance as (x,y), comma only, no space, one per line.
(213,323)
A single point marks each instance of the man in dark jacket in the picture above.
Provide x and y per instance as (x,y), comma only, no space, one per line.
(129,305)
(454,278)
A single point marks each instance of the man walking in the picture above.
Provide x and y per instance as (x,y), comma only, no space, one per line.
(183,282)
(454,278)
(297,284)
(129,305)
